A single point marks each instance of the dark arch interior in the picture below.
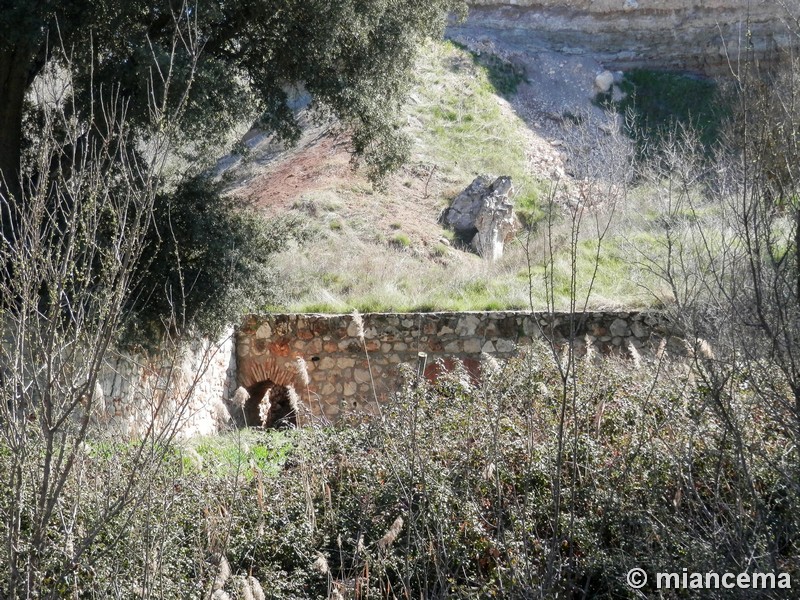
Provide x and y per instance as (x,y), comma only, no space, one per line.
(281,413)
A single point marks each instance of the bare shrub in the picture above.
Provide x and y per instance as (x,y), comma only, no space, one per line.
(71,243)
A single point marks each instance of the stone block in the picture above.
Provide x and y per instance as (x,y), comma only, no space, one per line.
(264,331)
(505,346)
(619,328)
(435,345)
(467,325)
(472,346)
(639,330)
(352,329)
(532,329)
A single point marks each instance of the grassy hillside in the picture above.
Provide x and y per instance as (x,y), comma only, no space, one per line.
(381,249)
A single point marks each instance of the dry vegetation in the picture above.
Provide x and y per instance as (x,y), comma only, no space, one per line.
(459,490)
(551,477)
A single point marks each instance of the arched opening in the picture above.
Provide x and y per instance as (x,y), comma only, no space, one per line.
(270,405)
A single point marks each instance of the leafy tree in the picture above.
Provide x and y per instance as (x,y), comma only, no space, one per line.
(242,56)
(199,68)
(206,262)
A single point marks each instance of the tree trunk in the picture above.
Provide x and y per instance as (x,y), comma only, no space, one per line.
(14,81)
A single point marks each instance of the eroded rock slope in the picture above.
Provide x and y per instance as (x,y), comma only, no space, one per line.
(694,35)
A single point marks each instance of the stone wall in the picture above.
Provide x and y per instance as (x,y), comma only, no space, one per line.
(690,35)
(188,388)
(348,373)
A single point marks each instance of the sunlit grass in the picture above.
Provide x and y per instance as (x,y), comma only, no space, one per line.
(463,127)
(244,452)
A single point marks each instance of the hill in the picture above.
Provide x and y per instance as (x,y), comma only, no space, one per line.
(471,112)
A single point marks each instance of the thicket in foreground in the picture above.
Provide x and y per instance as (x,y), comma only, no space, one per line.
(451,494)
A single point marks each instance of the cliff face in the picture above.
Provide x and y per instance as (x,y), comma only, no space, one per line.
(694,35)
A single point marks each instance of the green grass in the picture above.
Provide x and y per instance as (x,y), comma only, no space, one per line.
(331,281)
(400,240)
(240,451)
(528,208)
(463,129)
(504,75)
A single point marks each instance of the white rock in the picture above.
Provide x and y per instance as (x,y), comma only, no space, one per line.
(604,81)
(483,214)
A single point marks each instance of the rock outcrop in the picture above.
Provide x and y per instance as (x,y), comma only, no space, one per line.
(483,215)
(689,35)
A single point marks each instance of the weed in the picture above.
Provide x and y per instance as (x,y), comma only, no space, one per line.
(463,128)
(504,75)
(449,234)
(400,240)
(241,451)
(528,208)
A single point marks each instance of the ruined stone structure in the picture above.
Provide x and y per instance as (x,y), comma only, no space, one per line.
(188,389)
(256,375)
(350,366)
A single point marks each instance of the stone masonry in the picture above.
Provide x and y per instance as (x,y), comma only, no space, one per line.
(348,373)
(188,389)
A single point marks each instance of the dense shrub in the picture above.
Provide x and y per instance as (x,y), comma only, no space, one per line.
(537,481)
(207,260)
(656,103)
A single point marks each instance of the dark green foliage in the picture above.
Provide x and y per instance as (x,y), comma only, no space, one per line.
(207,260)
(186,74)
(650,477)
(241,58)
(659,101)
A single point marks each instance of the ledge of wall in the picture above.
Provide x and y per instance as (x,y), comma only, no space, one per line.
(187,389)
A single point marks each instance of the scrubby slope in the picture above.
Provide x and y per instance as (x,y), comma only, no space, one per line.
(381,248)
